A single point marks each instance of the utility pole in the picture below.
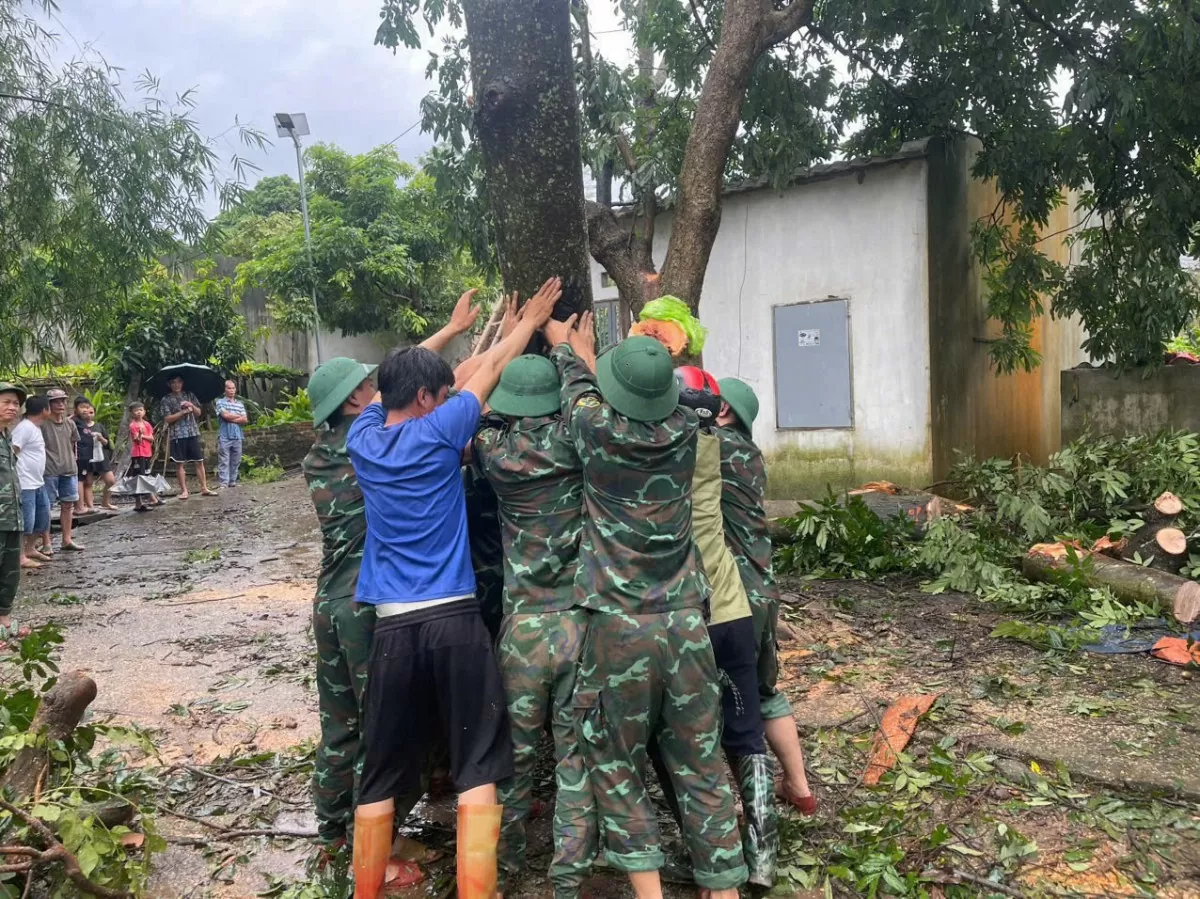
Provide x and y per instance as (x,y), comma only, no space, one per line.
(295,126)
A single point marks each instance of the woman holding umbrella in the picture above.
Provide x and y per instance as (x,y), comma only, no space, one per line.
(180,410)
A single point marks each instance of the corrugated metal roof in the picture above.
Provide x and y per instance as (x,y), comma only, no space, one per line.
(912,149)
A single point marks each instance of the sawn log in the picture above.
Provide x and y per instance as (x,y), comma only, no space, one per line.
(1128,581)
(57,717)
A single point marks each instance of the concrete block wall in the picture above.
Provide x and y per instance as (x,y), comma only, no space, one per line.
(290,443)
(1101,402)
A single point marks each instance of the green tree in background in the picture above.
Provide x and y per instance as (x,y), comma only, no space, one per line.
(386,252)
(91,185)
(1097,97)
(165,319)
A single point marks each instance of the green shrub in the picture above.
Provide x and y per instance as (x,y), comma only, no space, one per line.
(296,407)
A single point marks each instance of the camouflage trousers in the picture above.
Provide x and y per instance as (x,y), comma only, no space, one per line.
(10,569)
(343,630)
(653,677)
(774,703)
(538,659)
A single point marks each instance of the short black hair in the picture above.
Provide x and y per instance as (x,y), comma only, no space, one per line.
(82,401)
(36,405)
(136,405)
(405,370)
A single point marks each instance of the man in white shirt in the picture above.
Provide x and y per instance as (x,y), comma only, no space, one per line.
(30,447)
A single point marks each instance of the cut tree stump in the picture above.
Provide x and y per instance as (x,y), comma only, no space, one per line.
(1131,582)
(57,717)
(1159,542)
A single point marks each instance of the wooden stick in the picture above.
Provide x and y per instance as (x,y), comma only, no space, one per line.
(493,323)
(196,602)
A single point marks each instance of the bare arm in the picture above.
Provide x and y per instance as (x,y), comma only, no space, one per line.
(462,319)
(535,314)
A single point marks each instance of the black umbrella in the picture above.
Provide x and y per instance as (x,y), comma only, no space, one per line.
(201,380)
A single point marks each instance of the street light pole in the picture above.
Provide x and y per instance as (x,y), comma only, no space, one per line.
(294,126)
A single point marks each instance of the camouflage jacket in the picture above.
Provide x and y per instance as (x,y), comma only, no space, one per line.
(10,485)
(743,488)
(637,555)
(340,511)
(534,469)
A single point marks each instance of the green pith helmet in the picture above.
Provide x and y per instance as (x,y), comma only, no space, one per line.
(9,387)
(332,384)
(528,387)
(637,379)
(742,400)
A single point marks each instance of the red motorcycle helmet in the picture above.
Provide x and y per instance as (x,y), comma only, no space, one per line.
(699,391)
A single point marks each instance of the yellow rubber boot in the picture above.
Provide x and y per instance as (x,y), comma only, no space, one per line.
(372,845)
(478,837)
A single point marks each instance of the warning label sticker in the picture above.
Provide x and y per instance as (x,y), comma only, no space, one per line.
(809,337)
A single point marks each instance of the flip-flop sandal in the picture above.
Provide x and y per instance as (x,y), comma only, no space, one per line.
(401,874)
(30,564)
(183,496)
(806,805)
(14,631)
(73,547)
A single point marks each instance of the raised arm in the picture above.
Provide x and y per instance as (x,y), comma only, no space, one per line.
(462,319)
(535,314)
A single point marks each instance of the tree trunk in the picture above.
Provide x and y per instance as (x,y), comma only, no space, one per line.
(749,28)
(527,122)
(1126,580)
(57,717)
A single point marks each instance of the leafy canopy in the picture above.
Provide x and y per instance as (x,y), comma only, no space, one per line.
(385,252)
(1095,97)
(91,185)
(164,320)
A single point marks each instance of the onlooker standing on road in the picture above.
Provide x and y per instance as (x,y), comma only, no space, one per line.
(11,399)
(141,452)
(232,413)
(180,411)
(31,470)
(62,485)
(89,454)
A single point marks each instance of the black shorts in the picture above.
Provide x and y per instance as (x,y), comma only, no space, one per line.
(95,469)
(433,675)
(735,646)
(138,465)
(186,449)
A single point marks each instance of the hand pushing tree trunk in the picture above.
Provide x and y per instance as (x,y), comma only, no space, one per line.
(527,122)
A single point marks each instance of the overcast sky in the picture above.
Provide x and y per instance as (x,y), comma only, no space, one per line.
(249,59)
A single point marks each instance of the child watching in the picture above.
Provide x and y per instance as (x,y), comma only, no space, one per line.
(141,442)
(91,458)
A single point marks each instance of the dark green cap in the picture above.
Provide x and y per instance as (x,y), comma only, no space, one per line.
(9,387)
(637,378)
(742,400)
(528,387)
(332,384)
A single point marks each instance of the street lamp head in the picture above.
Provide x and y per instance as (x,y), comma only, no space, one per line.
(291,125)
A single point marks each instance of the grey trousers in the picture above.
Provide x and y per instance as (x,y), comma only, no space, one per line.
(229,459)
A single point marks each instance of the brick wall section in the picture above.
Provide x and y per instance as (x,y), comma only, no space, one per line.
(290,443)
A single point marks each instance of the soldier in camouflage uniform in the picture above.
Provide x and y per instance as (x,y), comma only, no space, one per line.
(343,629)
(744,484)
(647,668)
(530,461)
(11,400)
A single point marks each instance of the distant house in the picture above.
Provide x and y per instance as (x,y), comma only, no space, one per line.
(851,302)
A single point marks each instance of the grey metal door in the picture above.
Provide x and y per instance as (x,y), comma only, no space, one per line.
(812,365)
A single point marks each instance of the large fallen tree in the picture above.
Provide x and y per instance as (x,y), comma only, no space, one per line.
(1055,561)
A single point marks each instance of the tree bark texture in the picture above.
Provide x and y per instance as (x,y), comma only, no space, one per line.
(57,717)
(527,123)
(749,28)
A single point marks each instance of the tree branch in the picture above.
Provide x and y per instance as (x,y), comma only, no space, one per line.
(834,41)
(703,28)
(54,852)
(782,23)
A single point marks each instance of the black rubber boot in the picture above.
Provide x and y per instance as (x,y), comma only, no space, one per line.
(760,823)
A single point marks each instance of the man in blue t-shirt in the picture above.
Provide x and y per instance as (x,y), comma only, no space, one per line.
(432,664)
